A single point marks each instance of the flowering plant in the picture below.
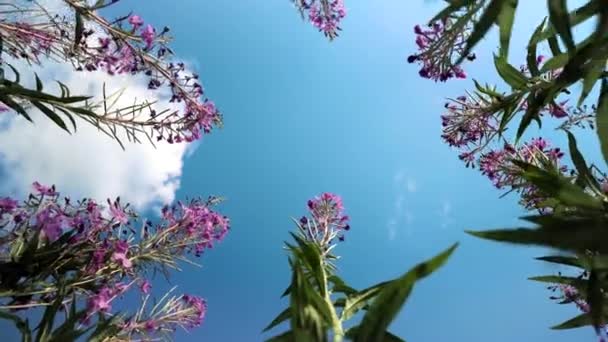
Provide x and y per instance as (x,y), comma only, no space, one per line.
(320,301)
(31,34)
(571,199)
(79,258)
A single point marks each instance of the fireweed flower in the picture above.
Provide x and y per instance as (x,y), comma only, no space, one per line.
(497,165)
(469,125)
(440,45)
(107,47)
(100,255)
(327,221)
(325,15)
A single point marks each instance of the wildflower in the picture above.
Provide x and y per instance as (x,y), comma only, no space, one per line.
(44,190)
(121,249)
(136,21)
(100,302)
(7,205)
(145,287)
(148,34)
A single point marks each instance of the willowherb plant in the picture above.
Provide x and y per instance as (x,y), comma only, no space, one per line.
(325,15)
(89,42)
(320,301)
(80,257)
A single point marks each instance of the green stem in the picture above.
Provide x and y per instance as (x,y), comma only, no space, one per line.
(335,320)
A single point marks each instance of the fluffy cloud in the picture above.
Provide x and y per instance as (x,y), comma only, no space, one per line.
(88,163)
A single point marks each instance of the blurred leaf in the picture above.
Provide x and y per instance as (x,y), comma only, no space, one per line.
(20,324)
(284,337)
(359,300)
(451,8)
(557,186)
(340,286)
(387,337)
(576,322)
(39,85)
(560,20)
(392,297)
(555,62)
(590,78)
(283,316)
(602,119)
(505,24)
(79,29)
(482,26)
(564,260)
(531,57)
(575,17)
(105,329)
(51,115)
(15,106)
(509,74)
(578,283)
(581,165)
(48,318)
(595,299)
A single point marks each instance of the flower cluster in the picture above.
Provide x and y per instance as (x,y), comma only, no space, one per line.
(498,166)
(96,254)
(439,47)
(325,15)
(469,125)
(125,46)
(327,220)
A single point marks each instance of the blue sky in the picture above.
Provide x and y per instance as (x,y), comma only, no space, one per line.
(305,116)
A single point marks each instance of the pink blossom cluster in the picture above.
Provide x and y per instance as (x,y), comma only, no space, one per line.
(325,15)
(327,220)
(100,253)
(497,165)
(439,47)
(136,49)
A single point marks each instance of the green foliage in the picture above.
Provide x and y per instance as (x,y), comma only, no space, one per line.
(320,301)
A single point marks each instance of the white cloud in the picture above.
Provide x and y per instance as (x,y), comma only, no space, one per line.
(401,215)
(87,163)
(411,185)
(445,213)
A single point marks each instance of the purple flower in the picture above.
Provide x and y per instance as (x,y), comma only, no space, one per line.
(121,249)
(148,34)
(100,302)
(136,21)
(7,205)
(145,287)
(51,220)
(44,190)
(118,213)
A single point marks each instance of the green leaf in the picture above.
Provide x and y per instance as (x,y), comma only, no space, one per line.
(340,286)
(595,300)
(531,56)
(387,337)
(559,187)
(559,18)
(591,76)
(22,325)
(284,337)
(451,8)
(602,119)
(576,322)
(505,24)
(15,106)
(283,316)
(581,166)
(39,85)
(509,74)
(482,26)
(105,329)
(575,17)
(392,297)
(48,319)
(51,115)
(578,283)
(359,300)
(555,62)
(564,260)
(578,235)
(79,29)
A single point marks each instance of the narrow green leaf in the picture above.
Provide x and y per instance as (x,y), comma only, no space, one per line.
(15,106)
(51,115)
(576,322)
(563,260)
(555,62)
(387,337)
(531,56)
(453,7)
(482,26)
(575,282)
(602,119)
(283,316)
(595,298)
(39,85)
(505,24)
(359,300)
(591,76)
(581,165)
(575,17)
(392,297)
(559,18)
(509,74)
(79,29)
(20,324)
(284,337)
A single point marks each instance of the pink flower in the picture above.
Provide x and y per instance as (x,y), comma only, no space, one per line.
(100,302)
(136,21)
(3,108)
(44,190)
(145,287)
(7,205)
(118,213)
(120,255)
(148,34)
